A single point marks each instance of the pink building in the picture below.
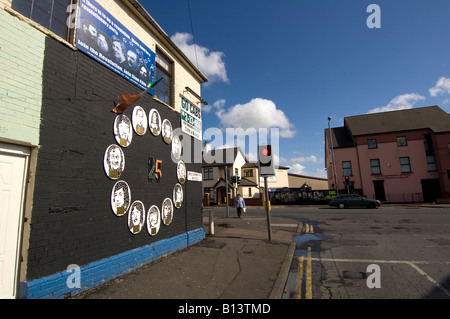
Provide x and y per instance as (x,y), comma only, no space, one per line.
(399,156)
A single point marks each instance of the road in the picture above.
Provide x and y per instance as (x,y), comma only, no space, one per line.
(395,251)
(391,252)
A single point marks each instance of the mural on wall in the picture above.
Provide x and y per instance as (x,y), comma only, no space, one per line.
(123,131)
(153,220)
(139,120)
(120,198)
(114,161)
(181,172)
(167,211)
(136,217)
(114,165)
(106,40)
(154,122)
(177,149)
(178,195)
(167,131)
(154,170)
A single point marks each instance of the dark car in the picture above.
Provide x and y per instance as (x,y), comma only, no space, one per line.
(343,201)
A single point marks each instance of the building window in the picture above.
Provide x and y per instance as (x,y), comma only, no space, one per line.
(401,141)
(428,143)
(210,191)
(405,165)
(372,143)
(51,14)
(248,173)
(164,68)
(208,173)
(249,192)
(431,161)
(375,167)
(347,168)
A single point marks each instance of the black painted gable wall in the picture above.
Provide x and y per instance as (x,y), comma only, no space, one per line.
(72,220)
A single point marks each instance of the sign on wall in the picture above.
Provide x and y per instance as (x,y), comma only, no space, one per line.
(107,41)
(191,119)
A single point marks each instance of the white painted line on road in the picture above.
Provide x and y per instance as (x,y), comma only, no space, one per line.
(413,264)
(420,271)
(284,225)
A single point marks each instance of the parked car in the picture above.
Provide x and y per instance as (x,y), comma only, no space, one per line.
(343,201)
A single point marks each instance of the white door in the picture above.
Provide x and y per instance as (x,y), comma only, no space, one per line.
(13,167)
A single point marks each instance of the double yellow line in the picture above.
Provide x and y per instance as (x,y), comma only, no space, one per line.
(308,274)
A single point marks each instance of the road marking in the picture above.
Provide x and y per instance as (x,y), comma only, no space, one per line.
(309,229)
(423,273)
(412,264)
(309,275)
(284,225)
(298,290)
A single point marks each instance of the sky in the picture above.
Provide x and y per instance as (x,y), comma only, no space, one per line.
(288,65)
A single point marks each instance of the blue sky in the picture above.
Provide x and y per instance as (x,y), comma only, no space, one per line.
(292,63)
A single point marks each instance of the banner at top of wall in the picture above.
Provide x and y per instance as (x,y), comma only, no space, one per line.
(107,41)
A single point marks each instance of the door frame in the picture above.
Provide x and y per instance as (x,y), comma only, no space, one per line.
(379,190)
(25,153)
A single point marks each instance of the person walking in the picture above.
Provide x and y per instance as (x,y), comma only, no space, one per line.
(239,203)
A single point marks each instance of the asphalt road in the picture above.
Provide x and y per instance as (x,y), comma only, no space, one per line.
(391,252)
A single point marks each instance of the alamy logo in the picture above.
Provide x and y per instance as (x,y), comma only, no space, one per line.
(374,279)
(74,279)
(374,20)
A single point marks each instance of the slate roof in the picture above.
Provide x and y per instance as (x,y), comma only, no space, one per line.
(431,117)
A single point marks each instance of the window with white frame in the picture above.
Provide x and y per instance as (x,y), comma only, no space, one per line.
(405,165)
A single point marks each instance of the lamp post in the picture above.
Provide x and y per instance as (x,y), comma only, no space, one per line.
(332,157)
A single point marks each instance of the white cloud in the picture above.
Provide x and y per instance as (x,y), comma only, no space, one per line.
(210,63)
(442,86)
(258,113)
(401,102)
(309,159)
(297,169)
(217,105)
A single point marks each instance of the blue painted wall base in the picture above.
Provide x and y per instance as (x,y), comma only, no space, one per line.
(96,273)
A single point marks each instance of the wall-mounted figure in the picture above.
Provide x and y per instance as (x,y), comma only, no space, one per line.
(154,122)
(136,217)
(120,198)
(181,172)
(167,132)
(139,118)
(114,161)
(176,147)
(153,220)
(123,130)
(177,195)
(167,211)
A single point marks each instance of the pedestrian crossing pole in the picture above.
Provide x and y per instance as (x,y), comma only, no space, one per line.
(266,168)
(266,190)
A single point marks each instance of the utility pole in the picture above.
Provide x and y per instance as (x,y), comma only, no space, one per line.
(226,191)
(332,157)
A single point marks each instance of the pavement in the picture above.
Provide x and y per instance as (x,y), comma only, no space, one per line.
(236,260)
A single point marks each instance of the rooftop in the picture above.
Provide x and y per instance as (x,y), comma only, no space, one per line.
(431,117)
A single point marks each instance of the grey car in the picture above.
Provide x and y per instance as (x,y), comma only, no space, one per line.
(344,201)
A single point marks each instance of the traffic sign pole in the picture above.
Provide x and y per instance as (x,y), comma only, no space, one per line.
(269,227)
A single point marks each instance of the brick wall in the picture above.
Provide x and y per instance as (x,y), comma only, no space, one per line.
(72,220)
(20,79)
